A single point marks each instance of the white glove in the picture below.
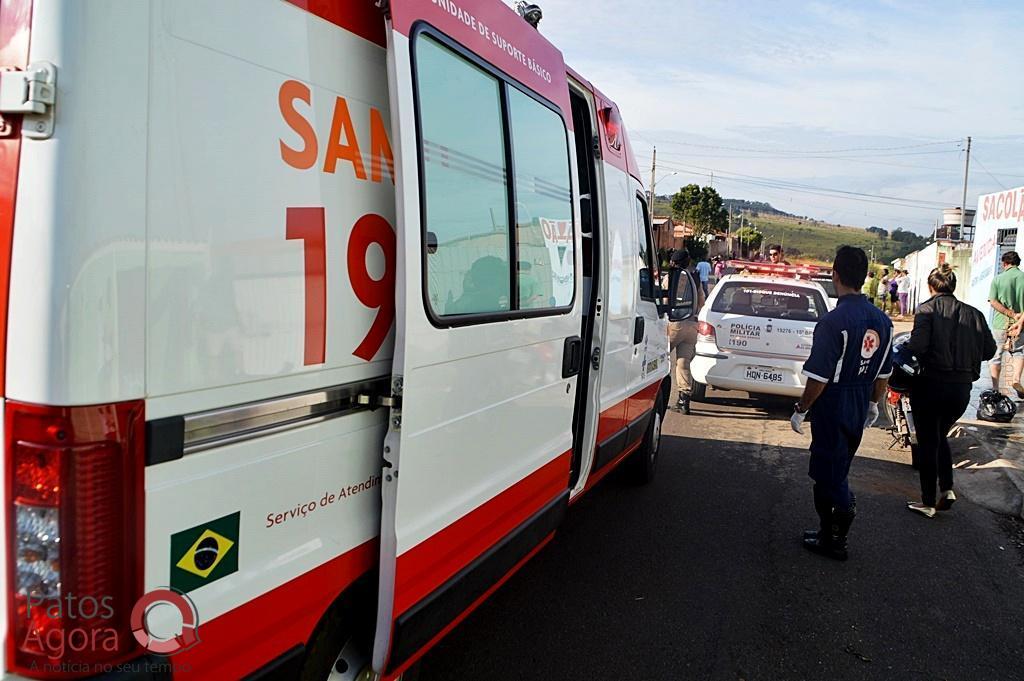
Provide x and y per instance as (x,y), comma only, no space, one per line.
(872,415)
(797,421)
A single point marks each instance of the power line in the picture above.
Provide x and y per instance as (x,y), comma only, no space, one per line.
(825,191)
(978,161)
(833,210)
(810,151)
(770,190)
(844,159)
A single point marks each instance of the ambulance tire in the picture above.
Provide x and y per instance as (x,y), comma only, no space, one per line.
(330,637)
(700,392)
(643,461)
(336,636)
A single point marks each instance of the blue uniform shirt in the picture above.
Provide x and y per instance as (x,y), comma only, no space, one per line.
(851,345)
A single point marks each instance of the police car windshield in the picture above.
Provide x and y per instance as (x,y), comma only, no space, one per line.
(776,301)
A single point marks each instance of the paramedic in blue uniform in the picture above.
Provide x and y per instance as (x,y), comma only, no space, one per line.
(846,375)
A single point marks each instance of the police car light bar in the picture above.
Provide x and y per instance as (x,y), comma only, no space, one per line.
(794,271)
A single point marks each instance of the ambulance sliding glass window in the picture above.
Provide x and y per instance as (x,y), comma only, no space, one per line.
(544,233)
(466,114)
(465,182)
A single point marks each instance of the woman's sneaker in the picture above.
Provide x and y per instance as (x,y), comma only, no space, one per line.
(946,500)
(917,507)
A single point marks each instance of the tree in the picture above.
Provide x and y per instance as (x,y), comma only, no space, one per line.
(701,208)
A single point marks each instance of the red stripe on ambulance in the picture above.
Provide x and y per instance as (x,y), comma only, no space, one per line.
(15,26)
(243,639)
(433,561)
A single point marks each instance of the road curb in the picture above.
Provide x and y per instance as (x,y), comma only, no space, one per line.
(989,466)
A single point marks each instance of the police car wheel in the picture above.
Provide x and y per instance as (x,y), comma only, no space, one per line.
(700,392)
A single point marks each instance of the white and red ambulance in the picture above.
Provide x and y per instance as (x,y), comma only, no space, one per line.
(316,316)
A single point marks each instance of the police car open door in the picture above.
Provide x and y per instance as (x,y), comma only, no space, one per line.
(477,455)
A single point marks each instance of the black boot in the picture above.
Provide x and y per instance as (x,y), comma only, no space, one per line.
(823,507)
(833,543)
(683,404)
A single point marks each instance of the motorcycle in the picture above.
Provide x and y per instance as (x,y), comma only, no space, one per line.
(905,368)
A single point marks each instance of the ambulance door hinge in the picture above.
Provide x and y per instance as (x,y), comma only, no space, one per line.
(597,146)
(32,94)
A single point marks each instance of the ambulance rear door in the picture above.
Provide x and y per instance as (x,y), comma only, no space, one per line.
(488,321)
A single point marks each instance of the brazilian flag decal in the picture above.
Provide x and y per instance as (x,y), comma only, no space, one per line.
(204,553)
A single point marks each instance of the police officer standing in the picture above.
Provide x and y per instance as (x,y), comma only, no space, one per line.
(846,375)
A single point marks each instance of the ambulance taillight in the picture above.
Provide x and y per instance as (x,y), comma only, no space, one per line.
(74,535)
(612,127)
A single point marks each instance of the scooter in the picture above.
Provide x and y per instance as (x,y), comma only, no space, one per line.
(901,416)
(897,396)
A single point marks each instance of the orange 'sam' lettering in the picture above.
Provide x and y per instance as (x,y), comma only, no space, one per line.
(347,148)
(304,158)
(380,148)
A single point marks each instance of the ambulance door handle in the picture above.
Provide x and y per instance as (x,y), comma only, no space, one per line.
(638,331)
(572,356)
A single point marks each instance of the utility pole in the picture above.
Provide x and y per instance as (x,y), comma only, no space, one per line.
(654,161)
(963,204)
(650,203)
(728,232)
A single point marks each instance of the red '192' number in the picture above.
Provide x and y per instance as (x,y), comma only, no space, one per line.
(308,224)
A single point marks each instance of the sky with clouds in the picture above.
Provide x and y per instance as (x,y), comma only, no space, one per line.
(875,97)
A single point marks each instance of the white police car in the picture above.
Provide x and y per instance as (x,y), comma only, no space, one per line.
(754,333)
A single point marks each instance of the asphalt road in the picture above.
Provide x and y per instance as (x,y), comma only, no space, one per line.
(701,575)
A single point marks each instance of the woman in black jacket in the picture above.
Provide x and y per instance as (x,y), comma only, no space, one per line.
(950,340)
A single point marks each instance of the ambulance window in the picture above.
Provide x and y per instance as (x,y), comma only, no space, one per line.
(465,187)
(645,265)
(544,229)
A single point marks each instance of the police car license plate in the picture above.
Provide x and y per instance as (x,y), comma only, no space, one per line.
(764,375)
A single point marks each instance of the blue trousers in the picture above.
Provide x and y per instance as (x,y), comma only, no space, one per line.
(837,426)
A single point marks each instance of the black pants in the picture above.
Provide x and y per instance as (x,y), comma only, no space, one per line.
(936,405)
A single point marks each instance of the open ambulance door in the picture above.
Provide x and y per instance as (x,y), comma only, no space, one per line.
(487,351)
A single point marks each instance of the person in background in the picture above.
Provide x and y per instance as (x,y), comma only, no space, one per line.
(719,268)
(847,372)
(903,292)
(950,340)
(870,287)
(676,259)
(682,336)
(894,283)
(776,255)
(703,272)
(883,289)
(1006,296)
